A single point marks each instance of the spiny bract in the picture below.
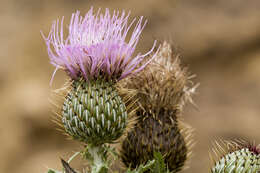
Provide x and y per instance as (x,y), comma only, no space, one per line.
(93,112)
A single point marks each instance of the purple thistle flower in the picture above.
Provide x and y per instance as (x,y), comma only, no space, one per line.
(96,45)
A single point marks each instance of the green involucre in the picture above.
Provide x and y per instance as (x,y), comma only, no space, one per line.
(240,161)
(93,112)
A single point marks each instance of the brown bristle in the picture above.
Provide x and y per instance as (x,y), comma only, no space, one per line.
(162,84)
(188,134)
(57,99)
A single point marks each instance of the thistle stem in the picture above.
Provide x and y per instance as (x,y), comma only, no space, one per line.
(98,159)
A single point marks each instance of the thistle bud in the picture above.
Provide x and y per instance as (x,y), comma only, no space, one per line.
(94,112)
(236,157)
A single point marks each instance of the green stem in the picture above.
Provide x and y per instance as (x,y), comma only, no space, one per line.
(99,164)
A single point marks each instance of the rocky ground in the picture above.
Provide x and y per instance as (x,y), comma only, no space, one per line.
(219,41)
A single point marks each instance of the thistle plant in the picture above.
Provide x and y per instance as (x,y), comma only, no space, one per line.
(162,89)
(235,157)
(95,55)
(108,82)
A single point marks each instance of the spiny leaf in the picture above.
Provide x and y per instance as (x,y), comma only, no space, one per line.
(142,168)
(67,167)
(159,166)
(53,171)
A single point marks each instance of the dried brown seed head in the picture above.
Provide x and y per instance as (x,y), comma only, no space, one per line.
(163,84)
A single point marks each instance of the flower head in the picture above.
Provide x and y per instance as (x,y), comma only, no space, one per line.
(96,45)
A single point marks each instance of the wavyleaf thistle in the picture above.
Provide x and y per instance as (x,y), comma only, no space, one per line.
(162,89)
(235,157)
(95,55)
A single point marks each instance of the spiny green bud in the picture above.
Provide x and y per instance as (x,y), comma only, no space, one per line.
(241,159)
(93,112)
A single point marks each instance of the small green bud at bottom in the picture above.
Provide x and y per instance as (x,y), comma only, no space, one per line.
(240,161)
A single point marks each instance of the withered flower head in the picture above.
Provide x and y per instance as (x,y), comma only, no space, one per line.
(163,84)
(161,91)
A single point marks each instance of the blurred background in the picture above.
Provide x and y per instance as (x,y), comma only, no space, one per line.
(218,40)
